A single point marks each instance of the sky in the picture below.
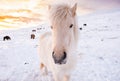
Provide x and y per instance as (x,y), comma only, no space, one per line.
(27,13)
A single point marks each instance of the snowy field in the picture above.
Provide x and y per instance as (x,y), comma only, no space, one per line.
(98,51)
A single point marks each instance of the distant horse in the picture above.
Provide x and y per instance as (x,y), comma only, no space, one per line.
(39,28)
(32,36)
(33,30)
(84,24)
(80,28)
(6,38)
(57,49)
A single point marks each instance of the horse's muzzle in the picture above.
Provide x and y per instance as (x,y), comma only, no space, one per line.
(60,60)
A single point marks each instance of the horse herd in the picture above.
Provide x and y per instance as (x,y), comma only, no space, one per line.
(7,37)
(32,36)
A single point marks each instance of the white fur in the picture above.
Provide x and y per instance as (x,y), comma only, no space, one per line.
(52,40)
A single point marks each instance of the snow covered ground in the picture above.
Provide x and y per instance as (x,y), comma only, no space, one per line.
(98,51)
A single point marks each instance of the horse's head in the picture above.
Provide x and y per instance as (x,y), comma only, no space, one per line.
(63,25)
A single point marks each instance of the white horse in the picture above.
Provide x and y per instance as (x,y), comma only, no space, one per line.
(57,48)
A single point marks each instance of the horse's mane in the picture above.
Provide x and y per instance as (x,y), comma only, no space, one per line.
(59,12)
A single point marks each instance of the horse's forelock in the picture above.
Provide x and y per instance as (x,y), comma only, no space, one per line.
(59,12)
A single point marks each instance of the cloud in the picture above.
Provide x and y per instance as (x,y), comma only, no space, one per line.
(24,12)
(20,19)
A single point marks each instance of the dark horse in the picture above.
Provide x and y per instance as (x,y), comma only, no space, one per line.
(32,36)
(84,24)
(33,30)
(6,38)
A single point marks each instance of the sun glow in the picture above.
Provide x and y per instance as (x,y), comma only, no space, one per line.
(23,13)
(16,13)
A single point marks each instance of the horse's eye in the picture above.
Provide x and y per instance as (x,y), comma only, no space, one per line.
(51,27)
(71,25)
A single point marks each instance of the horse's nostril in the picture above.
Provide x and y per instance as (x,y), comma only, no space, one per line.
(64,56)
(53,55)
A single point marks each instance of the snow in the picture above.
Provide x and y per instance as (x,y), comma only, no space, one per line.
(98,51)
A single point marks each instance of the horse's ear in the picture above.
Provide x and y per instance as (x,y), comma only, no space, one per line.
(49,7)
(74,9)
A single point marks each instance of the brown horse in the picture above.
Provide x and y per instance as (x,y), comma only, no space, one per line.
(32,36)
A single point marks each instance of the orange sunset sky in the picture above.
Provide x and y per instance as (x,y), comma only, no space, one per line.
(27,13)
